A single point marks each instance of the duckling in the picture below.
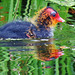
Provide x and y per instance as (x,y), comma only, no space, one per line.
(40,26)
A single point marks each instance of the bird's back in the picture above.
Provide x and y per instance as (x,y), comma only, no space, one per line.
(15,29)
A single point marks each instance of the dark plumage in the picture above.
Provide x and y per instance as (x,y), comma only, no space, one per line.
(20,29)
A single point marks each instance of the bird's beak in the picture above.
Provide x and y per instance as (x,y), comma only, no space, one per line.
(59,19)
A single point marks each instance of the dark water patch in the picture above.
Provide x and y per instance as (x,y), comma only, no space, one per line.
(23,43)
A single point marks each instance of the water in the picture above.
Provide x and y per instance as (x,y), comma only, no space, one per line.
(24,57)
(54,56)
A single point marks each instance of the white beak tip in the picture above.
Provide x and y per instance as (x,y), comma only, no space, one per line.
(63,20)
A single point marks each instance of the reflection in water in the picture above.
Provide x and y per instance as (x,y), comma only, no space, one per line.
(48,52)
(45,49)
(33,57)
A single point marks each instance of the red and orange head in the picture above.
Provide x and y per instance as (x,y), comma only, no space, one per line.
(48,17)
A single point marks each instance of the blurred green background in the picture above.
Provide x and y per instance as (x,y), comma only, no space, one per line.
(22,63)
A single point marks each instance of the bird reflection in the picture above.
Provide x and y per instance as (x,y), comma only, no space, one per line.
(48,52)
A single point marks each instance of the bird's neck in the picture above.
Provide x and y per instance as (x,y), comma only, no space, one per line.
(43,22)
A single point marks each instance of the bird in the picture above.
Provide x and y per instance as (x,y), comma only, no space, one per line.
(40,26)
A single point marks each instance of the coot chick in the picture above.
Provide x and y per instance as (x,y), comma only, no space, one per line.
(41,26)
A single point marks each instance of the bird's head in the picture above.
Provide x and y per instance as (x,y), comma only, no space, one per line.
(48,17)
(54,55)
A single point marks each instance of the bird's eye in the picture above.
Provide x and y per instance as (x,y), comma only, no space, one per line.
(53,14)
